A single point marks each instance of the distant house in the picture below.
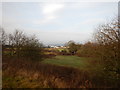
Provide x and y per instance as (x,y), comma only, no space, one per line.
(58,47)
(54,46)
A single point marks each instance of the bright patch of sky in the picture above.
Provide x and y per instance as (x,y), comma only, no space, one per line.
(57,23)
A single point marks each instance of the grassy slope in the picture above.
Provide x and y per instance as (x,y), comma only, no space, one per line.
(20,73)
(90,65)
(69,61)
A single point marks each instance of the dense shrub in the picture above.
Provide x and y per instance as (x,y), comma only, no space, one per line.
(64,52)
(22,46)
(89,49)
(73,47)
(108,38)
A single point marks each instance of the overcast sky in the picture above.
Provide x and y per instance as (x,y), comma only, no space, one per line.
(57,23)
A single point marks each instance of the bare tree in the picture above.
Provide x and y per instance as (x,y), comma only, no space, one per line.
(3,38)
(32,48)
(15,40)
(24,46)
(108,38)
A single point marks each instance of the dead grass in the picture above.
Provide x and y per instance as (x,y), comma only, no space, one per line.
(29,74)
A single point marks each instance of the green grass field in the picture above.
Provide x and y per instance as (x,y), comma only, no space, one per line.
(70,61)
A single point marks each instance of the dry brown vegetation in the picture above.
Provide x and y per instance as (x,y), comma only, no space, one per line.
(29,74)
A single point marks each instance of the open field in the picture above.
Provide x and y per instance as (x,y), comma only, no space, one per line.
(70,61)
(87,64)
